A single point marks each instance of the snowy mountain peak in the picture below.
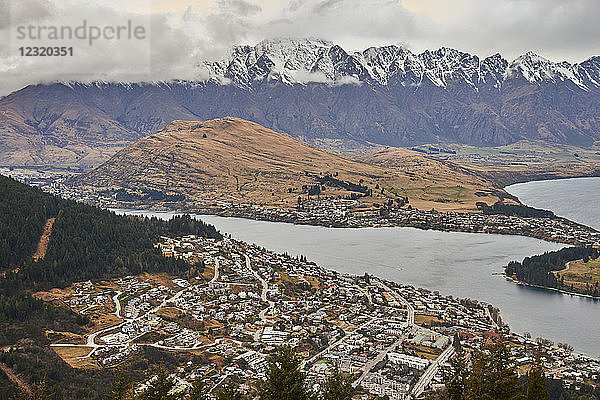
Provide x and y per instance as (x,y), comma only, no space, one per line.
(532,67)
(537,69)
(300,61)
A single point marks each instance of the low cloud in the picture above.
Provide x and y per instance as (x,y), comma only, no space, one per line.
(347,80)
(305,77)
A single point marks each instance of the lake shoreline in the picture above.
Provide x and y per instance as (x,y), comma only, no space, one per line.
(391,253)
(509,178)
(569,197)
(572,198)
(562,291)
(514,280)
(539,228)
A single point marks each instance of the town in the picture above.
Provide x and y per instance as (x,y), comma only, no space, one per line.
(238,303)
(334,212)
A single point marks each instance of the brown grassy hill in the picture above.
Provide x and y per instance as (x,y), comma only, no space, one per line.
(231,159)
(434,181)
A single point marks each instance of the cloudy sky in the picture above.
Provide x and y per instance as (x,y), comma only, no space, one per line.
(180,32)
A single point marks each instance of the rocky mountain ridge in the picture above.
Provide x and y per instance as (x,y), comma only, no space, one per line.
(316,92)
(311,60)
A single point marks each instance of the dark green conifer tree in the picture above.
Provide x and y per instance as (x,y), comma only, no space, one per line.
(493,376)
(285,380)
(228,392)
(536,383)
(40,392)
(159,388)
(337,387)
(122,388)
(455,378)
(198,391)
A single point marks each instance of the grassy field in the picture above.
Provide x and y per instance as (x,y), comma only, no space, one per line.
(64,337)
(209,272)
(169,313)
(286,278)
(343,325)
(163,279)
(54,294)
(425,352)
(314,282)
(427,320)
(72,356)
(579,274)
(525,160)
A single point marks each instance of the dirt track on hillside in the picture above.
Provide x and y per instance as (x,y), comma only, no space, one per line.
(40,253)
(15,379)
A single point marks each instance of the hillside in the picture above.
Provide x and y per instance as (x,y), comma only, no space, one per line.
(116,244)
(420,165)
(238,161)
(84,243)
(434,179)
(51,125)
(318,92)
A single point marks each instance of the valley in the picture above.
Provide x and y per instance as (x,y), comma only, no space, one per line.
(228,302)
(522,161)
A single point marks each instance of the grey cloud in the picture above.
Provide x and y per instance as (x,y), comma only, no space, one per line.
(165,52)
(327,5)
(557,29)
(239,7)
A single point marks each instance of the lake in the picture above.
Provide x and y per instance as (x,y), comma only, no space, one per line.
(453,263)
(577,199)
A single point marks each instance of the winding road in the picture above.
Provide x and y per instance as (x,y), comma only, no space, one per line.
(265,288)
(216,274)
(91,340)
(410,309)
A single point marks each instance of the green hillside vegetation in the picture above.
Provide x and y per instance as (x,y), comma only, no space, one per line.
(490,374)
(541,270)
(86,243)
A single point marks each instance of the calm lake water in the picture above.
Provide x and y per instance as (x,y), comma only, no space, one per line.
(577,199)
(458,264)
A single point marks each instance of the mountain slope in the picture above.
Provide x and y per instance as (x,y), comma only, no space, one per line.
(316,91)
(80,125)
(312,60)
(86,243)
(420,165)
(238,161)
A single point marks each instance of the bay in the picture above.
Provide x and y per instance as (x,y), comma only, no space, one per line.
(453,263)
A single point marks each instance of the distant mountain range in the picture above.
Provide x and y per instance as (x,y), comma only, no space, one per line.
(314,90)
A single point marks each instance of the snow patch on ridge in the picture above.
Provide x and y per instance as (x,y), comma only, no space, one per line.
(301,61)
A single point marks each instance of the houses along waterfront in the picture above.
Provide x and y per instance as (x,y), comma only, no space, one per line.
(336,212)
(240,302)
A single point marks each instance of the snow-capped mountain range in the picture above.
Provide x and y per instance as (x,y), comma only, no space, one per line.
(314,90)
(312,60)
